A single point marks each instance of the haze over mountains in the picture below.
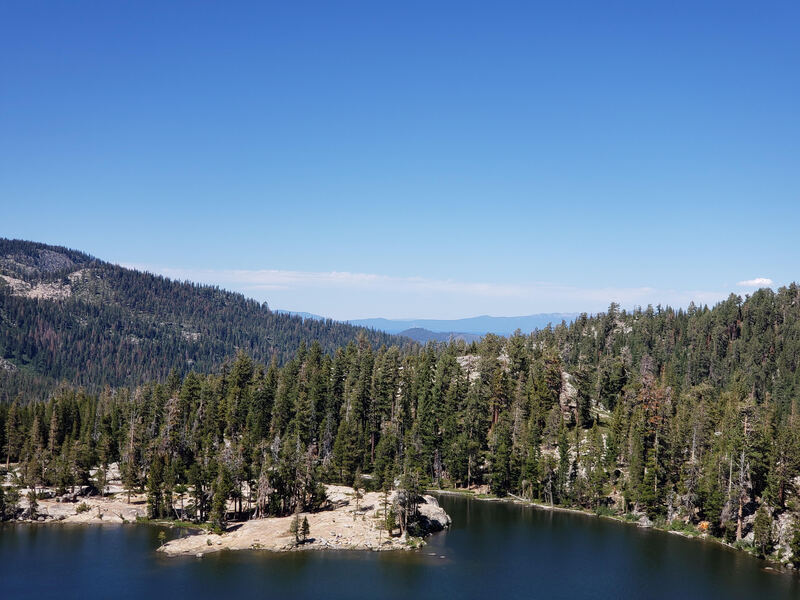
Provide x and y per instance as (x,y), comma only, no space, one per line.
(468,329)
(475,325)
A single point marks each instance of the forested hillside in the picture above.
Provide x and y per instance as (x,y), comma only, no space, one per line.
(67,316)
(687,417)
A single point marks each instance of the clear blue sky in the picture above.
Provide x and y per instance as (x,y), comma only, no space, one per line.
(414,159)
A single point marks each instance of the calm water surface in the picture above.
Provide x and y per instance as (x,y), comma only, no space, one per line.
(493,551)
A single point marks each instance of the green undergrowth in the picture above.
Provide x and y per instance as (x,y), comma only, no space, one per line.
(176,523)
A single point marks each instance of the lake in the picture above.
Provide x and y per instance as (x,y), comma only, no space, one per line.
(493,550)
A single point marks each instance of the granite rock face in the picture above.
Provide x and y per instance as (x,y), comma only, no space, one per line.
(432,516)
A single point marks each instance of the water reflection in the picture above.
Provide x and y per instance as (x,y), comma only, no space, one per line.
(493,550)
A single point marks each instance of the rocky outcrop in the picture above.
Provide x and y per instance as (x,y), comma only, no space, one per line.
(432,517)
(73,496)
(470,364)
(39,261)
(42,291)
(783,531)
(568,397)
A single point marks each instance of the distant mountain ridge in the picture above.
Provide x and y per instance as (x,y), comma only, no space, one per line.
(423,336)
(65,315)
(469,329)
(474,325)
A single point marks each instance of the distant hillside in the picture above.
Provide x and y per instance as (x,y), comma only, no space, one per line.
(475,325)
(65,315)
(423,336)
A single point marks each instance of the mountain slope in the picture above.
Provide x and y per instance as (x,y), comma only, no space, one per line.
(66,315)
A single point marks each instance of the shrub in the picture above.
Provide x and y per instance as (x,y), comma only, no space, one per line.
(630,517)
(682,526)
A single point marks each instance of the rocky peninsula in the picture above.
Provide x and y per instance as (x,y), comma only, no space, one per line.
(349,523)
(348,520)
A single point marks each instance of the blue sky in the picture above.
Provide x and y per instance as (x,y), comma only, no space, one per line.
(415,159)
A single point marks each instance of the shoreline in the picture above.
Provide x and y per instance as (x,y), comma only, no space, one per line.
(348,523)
(356,529)
(98,510)
(781,567)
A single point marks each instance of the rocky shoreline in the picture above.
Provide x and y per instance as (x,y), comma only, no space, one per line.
(643,522)
(79,504)
(91,509)
(348,521)
(346,525)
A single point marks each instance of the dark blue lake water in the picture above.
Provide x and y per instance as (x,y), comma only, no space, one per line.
(493,550)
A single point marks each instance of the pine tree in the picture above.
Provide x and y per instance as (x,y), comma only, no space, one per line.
(101,480)
(221,490)
(562,475)
(596,466)
(762,531)
(531,475)
(636,460)
(155,492)
(130,480)
(358,483)
(198,483)
(10,502)
(13,434)
(501,461)
(33,505)
(474,425)
(346,451)
(390,521)
(584,397)
(295,528)
(408,494)
(712,499)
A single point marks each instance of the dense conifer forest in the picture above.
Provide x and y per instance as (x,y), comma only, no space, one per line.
(688,417)
(66,316)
